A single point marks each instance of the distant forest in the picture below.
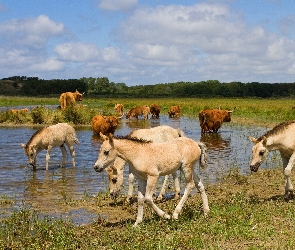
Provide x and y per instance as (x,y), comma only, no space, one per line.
(101,86)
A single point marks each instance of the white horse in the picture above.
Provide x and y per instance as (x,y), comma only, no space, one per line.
(149,160)
(279,138)
(115,172)
(48,138)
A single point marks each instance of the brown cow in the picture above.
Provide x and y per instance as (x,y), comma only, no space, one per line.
(119,109)
(69,99)
(104,124)
(174,111)
(155,110)
(139,111)
(212,119)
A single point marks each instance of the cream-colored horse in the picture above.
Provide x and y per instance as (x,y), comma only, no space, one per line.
(279,138)
(115,172)
(149,160)
(49,137)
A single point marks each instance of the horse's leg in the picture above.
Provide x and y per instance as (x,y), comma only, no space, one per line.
(72,150)
(188,173)
(140,201)
(162,192)
(200,187)
(288,184)
(48,156)
(130,187)
(64,154)
(177,185)
(150,187)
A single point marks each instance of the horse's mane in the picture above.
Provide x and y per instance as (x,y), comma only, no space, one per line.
(36,133)
(130,138)
(278,128)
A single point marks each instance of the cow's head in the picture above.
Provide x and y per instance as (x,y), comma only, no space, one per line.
(78,95)
(227,117)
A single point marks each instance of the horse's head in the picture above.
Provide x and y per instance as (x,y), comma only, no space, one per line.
(31,153)
(115,174)
(259,153)
(107,154)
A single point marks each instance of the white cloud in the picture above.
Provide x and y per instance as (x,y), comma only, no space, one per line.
(32,32)
(77,52)
(50,64)
(117,5)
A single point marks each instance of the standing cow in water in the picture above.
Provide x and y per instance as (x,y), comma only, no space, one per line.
(49,137)
(212,119)
(68,99)
(279,138)
(155,110)
(119,108)
(139,111)
(174,111)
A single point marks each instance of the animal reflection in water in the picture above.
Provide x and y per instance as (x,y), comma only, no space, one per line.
(279,138)
(149,160)
(49,137)
(214,141)
(115,172)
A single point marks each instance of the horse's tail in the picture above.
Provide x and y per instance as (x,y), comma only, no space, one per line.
(204,156)
(180,133)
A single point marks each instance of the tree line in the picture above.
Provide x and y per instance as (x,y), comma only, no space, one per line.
(101,86)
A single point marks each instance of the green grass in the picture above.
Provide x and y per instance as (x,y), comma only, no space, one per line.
(251,110)
(244,215)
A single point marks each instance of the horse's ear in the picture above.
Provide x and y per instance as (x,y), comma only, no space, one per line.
(104,137)
(264,140)
(23,145)
(254,140)
(111,137)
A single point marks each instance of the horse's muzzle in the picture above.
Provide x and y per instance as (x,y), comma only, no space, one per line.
(254,168)
(97,168)
(115,194)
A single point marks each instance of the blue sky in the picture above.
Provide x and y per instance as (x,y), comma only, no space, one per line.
(142,42)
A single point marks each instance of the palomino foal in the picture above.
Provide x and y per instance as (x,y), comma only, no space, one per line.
(279,138)
(148,161)
(49,137)
(115,172)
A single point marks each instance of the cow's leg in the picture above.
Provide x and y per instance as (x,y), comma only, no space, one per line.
(130,187)
(287,167)
(140,201)
(150,187)
(200,187)
(48,156)
(188,173)
(64,154)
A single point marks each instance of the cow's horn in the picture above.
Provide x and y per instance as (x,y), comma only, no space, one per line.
(232,110)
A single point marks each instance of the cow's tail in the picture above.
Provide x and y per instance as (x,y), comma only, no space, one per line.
(204,156)
(180,133)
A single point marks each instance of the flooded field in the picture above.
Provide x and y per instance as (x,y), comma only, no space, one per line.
(229,148)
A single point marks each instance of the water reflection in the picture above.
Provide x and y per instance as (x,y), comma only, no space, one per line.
(227,149)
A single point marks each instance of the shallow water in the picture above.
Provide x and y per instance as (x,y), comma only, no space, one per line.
(228,148)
